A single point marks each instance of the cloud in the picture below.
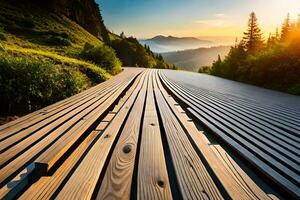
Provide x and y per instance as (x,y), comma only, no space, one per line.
(211,22)
(220,15)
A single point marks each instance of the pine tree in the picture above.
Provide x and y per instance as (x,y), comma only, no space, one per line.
(286,29)
(104,32)
(122,35)
(277,36)
(253,40)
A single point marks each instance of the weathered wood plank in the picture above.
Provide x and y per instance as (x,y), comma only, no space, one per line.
(47,186)
(246,149)
(247,137)
(192,176)
(82,183)
(153,182)
(234,188)
(117,180)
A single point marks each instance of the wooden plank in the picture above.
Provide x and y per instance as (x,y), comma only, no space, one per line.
(153,182)
(249,135)
(82,183)
(273,119)
(28,156)
(276,132)
(234,188)
(246,151)
(47,186)
(192,176)
(283,151)
(118,176)
(52,155)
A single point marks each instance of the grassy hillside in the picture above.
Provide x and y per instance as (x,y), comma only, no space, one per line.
(46,48)
(38,29)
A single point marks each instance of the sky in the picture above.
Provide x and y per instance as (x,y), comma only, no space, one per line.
(193,18)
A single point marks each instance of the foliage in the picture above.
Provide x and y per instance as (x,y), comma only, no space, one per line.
(2,37)
(27,84)
(132,53)
(277,66)
(204,69)
(57,41)
(103,56)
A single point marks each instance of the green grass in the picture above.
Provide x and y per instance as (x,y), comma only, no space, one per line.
(39,59)
(22,28)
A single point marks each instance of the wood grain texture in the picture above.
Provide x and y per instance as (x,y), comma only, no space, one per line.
(117,180)
(45,187)
(153,181)
(193,179)
(261,158)
(82,183)
(237,189)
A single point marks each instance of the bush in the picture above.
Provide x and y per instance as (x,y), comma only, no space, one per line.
(28,84)
(95,74)
(57,41)
(2,37)
(204,69)
(25,23)
(1,48)
(102,56)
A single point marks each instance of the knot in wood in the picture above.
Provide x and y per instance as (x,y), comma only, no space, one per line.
(161,183)
(152,124)
(127,148)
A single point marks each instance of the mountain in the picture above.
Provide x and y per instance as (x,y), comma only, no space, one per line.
(86,13)
(191,60)
(160,44)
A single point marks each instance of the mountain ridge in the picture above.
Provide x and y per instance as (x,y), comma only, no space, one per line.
(162,44)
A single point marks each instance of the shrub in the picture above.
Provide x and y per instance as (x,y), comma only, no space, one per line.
(57,41)
(2,37)
(1,48)
(27,84)
(95,74)
(204,69)
(102,56)
(25,23)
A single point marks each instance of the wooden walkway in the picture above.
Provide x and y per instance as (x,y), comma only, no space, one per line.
(128,138)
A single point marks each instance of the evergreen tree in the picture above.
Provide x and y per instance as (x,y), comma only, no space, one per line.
(277,36)
(253,40)
(286,29)
(104,31)
(122,35)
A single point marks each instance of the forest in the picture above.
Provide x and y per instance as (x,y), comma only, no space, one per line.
(273,63)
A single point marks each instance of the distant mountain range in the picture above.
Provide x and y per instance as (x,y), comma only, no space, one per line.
(162,44)
(191,60)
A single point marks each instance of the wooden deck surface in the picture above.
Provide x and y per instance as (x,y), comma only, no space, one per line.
(140,135)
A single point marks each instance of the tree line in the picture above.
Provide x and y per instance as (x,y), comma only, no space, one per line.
(272,63)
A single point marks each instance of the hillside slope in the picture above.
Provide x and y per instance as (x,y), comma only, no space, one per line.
(46,46)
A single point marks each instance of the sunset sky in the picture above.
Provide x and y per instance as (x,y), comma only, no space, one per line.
(147,18)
